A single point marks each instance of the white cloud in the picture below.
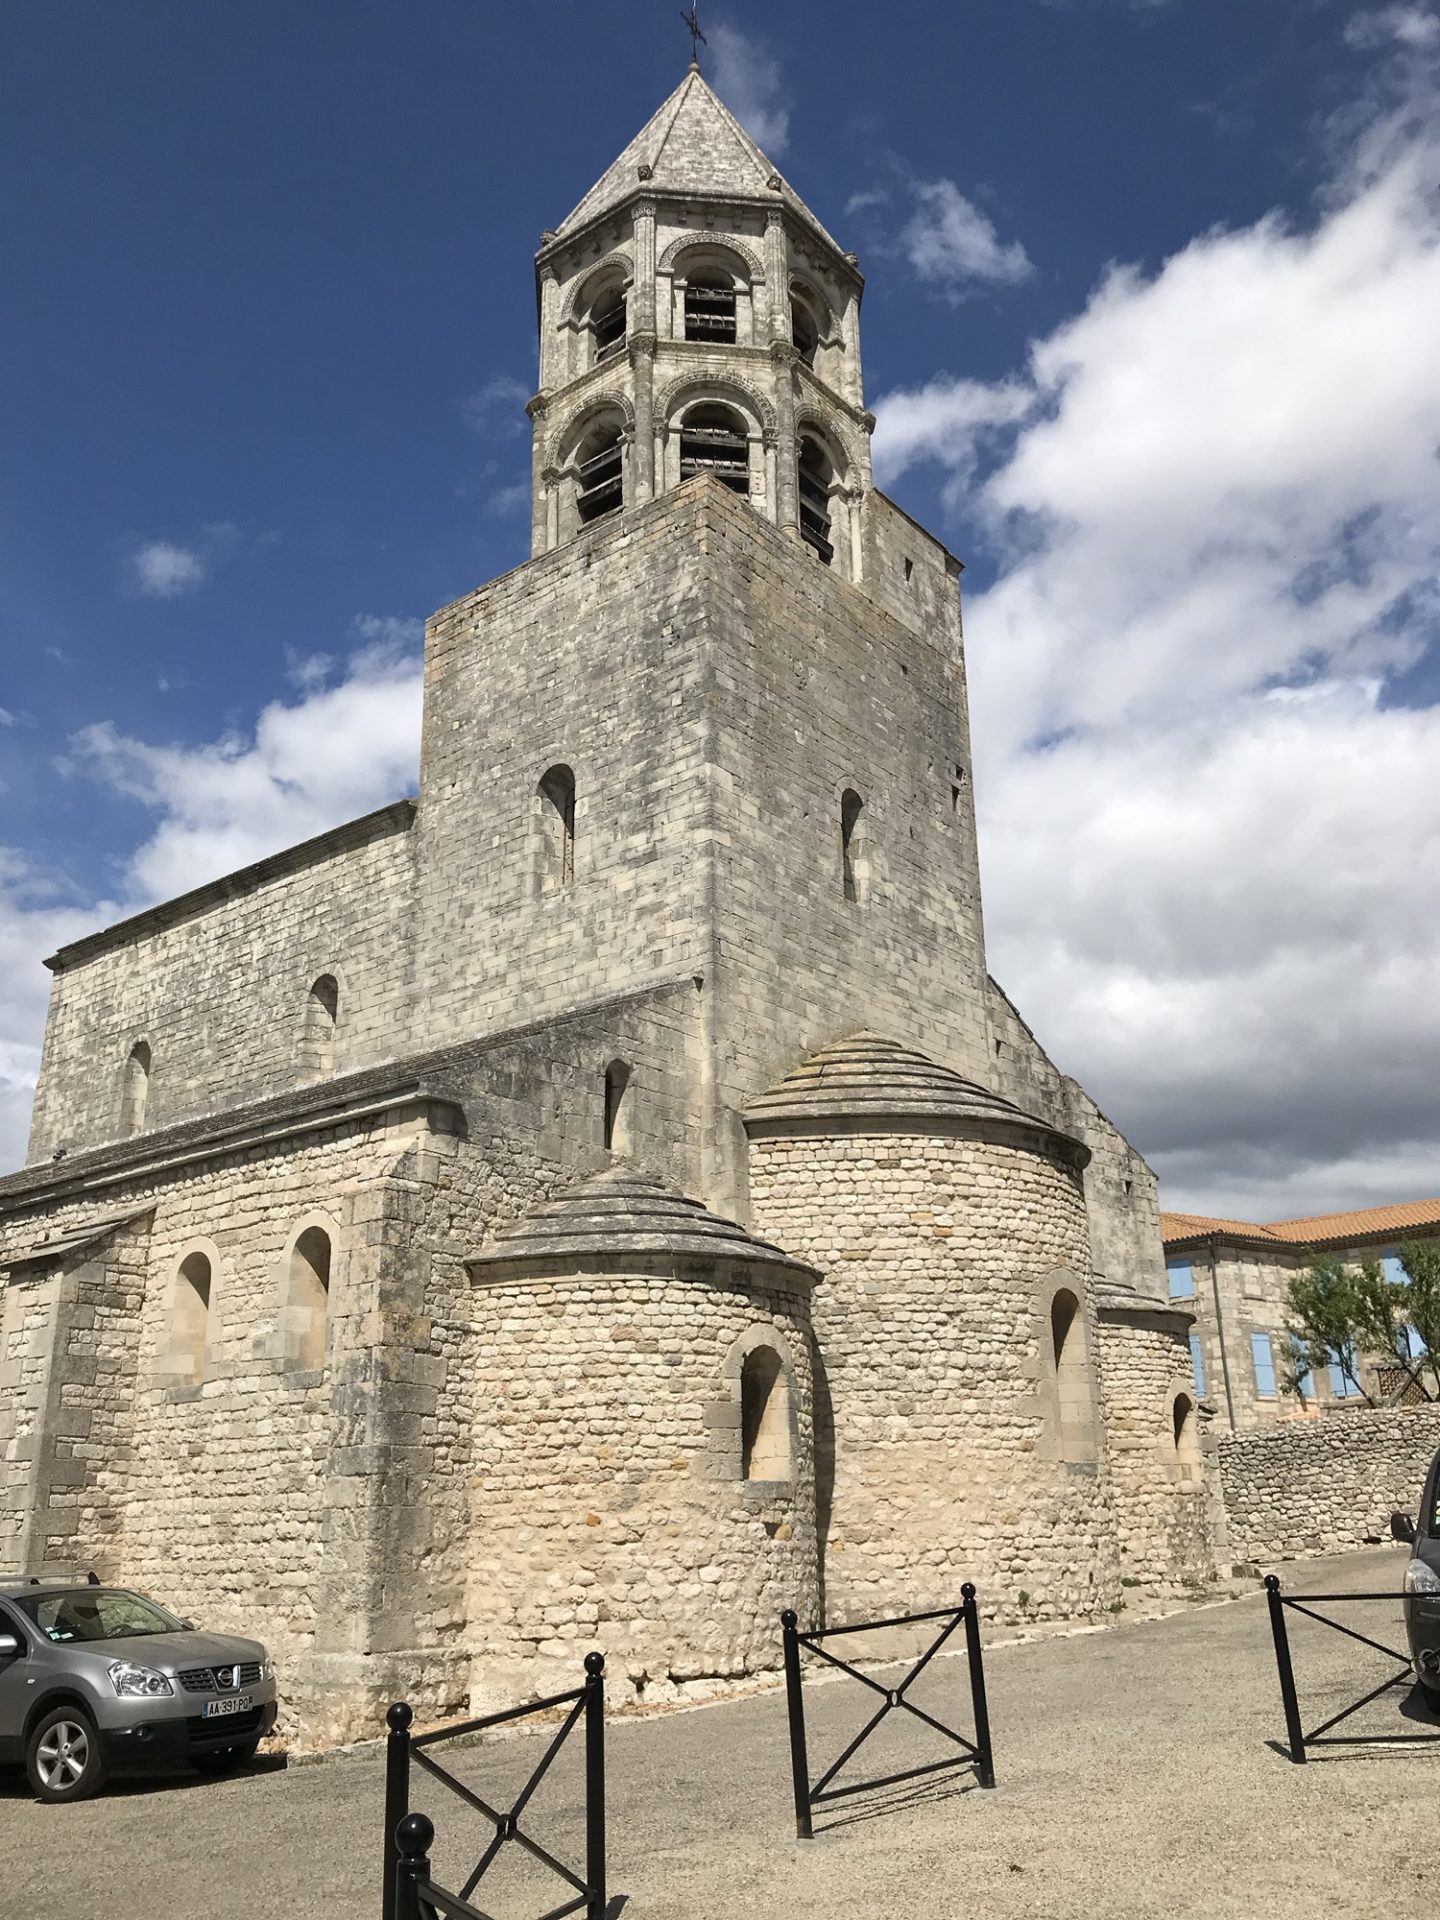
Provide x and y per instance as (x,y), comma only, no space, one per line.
(746,75)
(345,745)
(497,407)
(952,244)
(1415,28)
(1211,840)
(162,570)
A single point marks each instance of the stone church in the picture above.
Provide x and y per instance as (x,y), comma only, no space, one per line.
(605,1200)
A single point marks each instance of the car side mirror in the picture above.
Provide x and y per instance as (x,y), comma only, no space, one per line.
(9,1645)
(188,1625)
(1402,1527)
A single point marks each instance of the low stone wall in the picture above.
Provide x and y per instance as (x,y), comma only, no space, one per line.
(1317,1486)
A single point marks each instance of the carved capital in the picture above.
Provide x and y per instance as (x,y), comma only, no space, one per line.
(645,210)
(867,420)
(783,354)
(641,345)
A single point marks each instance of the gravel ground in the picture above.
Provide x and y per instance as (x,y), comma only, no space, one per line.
(1136,1778)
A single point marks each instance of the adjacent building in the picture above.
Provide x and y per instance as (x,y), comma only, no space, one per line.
(1233,1275)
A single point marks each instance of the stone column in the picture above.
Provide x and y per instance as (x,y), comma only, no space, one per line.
(642,292)
(777,275)
(787,499)
(642,379)
(539,412)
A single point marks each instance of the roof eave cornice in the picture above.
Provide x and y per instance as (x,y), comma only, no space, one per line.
(846,265)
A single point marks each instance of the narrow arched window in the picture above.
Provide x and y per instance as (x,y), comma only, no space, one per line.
(816,476)
(710,307)
(713,439)
(618,1107)
(307,1299)
(1187,1437)
(322,1009)
(765,1452)
(854,866)
(599,471)
(1072,1378)
(135,1088)
(557,828)
(190,1318)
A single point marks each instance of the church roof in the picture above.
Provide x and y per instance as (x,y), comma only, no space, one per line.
(692,146)
(621,1212)
(870,1078)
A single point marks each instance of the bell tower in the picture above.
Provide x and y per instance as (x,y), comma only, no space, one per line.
(695,317)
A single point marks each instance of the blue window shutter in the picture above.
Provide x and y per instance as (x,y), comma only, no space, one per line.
(1263,1356)
(1340,1385)
(1182,1279)
(1394,1272)
(1307,1387)
(1197,1363)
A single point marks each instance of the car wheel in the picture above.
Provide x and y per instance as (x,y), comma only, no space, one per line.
(63,1757)
(1431,1691)
(219,1760)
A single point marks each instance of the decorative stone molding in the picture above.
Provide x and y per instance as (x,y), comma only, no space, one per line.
(716,386)
(569,312)
(612,398)
(688,241)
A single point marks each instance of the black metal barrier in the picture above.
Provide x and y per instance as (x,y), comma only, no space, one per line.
(409,1893)
(977,1752)
(1322,1736)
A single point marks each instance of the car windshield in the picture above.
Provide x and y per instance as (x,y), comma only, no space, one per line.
(94,1613)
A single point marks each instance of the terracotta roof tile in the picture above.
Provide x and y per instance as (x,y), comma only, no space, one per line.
(1316,1229)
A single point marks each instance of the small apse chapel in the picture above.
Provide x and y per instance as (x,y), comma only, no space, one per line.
(605,1200)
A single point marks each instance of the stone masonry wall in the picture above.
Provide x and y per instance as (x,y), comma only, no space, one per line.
(939,1257)
(603,1511)
(1320,1486)
(1162,1498)
(219,993)
(217,1497)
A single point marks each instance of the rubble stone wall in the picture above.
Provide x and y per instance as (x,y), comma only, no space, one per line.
(1319,1486)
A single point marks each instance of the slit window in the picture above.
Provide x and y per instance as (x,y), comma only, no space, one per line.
(617,1107)
(135,1088)
(557,818)
(764,1417)
(710,309)
(713,439)
(1072,1378)
(599,474)
(308,1298)
(815,477)
(190,1317)
(322,1006)
(1187,1436)
(852,845)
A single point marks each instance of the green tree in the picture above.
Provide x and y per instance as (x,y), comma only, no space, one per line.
(1341,1312)
(1420,1301)
(1296,1366)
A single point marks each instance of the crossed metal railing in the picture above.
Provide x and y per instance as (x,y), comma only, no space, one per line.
(409,1893)
(809,1793)
(1323,1736)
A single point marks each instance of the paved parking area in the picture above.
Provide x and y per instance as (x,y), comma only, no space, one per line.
(1135,1780)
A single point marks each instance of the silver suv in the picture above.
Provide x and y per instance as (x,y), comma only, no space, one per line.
(94,1678)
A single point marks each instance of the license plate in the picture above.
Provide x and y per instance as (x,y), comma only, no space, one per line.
(220,1709)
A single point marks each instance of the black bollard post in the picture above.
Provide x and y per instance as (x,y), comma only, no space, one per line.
(595,1785)
(1293,1725)
(799,1760)
(397,1796)
(413,1839)
(984,1758)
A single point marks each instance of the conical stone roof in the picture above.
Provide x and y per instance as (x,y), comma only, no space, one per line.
(867,1078)
(619,1214)
(692,146)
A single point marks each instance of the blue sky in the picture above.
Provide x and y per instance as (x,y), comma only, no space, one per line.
(1147,291)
